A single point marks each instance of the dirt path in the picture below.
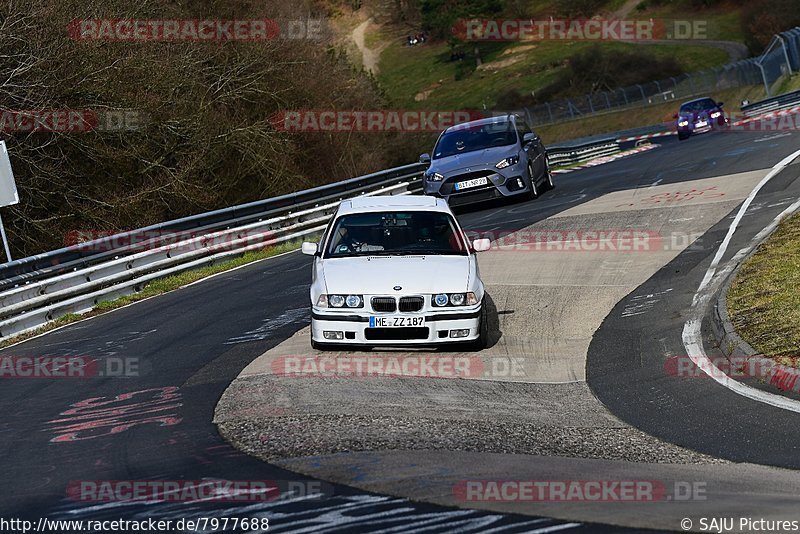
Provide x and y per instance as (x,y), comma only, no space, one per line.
(625,9)
(369,57)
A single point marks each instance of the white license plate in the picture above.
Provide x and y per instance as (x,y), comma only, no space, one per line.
(701,124)
(395,321)
(475,182)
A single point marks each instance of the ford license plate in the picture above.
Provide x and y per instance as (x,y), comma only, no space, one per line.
(467,184)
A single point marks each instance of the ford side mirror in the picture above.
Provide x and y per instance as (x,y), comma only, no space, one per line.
(480,245)
(425,158)
(309,249)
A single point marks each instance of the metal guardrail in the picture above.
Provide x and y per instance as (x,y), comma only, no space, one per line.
(579,154)
(97,270)
(69,258)
(776,103)
(41,288)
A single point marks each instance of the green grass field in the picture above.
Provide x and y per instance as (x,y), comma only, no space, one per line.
(763,300)
(422,77)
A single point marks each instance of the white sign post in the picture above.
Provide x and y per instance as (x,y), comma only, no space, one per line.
(8,191)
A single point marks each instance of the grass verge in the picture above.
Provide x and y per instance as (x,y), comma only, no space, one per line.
(763,301)
(423,77)
(159,287)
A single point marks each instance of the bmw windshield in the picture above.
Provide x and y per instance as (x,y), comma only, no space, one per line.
(395,233)
(477,137)
(698,105)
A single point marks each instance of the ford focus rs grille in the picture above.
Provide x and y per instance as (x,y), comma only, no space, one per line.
(384,304)
(470,175)
(411,304)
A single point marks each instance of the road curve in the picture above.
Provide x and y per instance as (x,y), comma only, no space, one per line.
(420,438)
(191,344)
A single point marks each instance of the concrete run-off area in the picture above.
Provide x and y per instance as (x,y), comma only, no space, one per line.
(519,409)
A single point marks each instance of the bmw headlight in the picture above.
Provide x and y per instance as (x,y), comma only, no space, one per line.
(716,114)
(354,301)
(683,123)
(434,177)
(455,299)
(513,160)
(340,301)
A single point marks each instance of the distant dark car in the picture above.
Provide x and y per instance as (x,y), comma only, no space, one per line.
(492,158)
(698,116)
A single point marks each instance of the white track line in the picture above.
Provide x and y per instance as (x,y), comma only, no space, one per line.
(692,337)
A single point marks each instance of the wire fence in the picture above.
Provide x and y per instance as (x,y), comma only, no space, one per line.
(782,57)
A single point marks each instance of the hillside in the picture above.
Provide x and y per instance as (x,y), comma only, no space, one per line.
(200,137)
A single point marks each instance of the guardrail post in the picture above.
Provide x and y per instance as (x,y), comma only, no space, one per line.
(785,53)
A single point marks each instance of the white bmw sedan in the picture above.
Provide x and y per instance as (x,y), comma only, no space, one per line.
(396,270)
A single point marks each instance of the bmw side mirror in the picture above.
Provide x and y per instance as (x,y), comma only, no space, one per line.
(528,138)
(719,104)
(675,116)
(309,249)
(425,158)
(481,245)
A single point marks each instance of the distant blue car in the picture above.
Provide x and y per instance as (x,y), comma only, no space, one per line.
(698,116)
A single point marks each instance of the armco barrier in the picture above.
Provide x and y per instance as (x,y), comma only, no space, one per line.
(578,153)
(66,259)
(41,288)
(776,103)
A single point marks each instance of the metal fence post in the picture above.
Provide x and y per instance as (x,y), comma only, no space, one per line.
(764,77)
(785,53)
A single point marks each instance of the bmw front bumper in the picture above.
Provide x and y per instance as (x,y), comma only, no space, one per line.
(355,327)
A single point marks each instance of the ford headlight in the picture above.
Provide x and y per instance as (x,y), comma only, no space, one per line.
(513,160)
(434,177)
